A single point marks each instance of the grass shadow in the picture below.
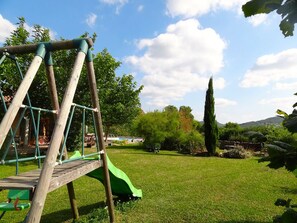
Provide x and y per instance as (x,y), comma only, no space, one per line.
(157,154)
(144,151)
(289,190)
(129,146)
(66,214)
(243,221)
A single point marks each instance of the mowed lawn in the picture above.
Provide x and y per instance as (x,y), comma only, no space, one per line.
(176,188)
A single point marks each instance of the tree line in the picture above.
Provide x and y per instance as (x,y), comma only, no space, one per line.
(172,128)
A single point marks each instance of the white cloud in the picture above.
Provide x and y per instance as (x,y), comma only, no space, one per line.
(115,2)
(283,103)
(272,68)
(192,8)
(29,28)
(52,34)
(257,20)
(286,86)
(91,20)
(6,27)
(140,8)
(223,102)
(179,61)
(119,4)
(218,83)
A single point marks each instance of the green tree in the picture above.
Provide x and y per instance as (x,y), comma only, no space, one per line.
(210,124)
(119,95)
(151,126)
(287,9)
(165,129)
(173,128)
(230,129)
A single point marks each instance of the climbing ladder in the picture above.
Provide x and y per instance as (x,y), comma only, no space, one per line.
(52,176)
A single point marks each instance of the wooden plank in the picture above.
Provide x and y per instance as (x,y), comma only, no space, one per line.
(62,175)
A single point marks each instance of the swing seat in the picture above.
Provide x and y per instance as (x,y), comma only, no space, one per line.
(14,196)
(13,207)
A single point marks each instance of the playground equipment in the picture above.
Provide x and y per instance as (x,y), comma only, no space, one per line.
(13,204)
(57,170)
(121,185)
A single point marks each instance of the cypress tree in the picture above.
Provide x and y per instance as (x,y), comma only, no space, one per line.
(210,124)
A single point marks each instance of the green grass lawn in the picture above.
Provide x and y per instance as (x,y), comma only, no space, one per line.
(176,188)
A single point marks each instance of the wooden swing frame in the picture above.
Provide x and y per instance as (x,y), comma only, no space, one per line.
(51,176)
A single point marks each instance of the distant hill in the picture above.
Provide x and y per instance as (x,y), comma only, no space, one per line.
(269,121)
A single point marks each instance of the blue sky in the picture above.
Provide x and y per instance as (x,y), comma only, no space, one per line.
(172,47)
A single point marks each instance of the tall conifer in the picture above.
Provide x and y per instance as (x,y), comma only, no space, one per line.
(210,124)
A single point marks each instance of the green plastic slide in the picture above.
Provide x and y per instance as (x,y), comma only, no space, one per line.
(120,183)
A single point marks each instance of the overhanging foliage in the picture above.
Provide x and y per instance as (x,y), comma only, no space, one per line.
(287,9)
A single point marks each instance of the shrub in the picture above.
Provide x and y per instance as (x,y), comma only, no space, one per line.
(171,143)
(237,152)
(240,138)
(191,143)
(230,130)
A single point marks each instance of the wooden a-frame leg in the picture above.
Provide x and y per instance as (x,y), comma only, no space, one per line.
(55,103)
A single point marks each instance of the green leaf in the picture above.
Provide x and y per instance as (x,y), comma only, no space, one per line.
(289,216)
(291,162)
(254,7)
(291,124)
(287,28)
(276,156)
(275,150)
(281,113)
(285,146)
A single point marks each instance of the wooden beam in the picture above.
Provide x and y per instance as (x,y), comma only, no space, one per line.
(51,46)
(49,163)
(55,103)
(52,88)
(99,129)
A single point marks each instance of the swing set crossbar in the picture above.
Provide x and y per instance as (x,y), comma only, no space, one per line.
(51,46)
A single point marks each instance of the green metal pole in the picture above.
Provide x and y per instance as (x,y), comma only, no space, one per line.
(67,132)
(83,131)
